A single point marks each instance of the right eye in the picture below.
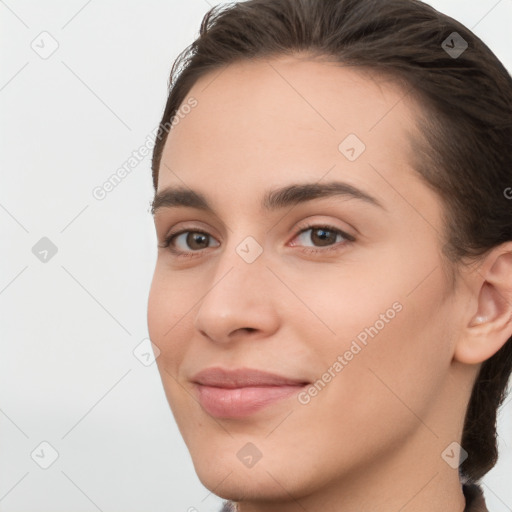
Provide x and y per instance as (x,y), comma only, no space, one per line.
(188,242)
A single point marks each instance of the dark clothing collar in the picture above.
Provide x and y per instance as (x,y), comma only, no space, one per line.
(472,492)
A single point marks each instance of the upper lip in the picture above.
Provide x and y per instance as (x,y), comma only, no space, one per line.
(242,377)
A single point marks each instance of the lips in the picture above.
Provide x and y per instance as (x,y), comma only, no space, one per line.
(241,378)
(238,393)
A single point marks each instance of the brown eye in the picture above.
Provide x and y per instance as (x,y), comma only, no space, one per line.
(196,240)
(320,236)
(189,241)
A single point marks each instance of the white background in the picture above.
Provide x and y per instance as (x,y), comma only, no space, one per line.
(68,326)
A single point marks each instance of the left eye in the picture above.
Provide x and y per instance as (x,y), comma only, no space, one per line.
(321,236)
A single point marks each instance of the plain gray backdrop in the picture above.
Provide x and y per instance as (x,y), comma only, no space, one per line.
(82,86)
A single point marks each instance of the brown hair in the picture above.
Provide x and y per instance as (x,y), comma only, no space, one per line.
(466,121)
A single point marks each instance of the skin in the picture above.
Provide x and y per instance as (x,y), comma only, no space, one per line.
(372,439)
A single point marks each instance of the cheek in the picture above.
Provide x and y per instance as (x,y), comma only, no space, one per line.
(385,333)
(381,396)
(396,354)
(168,306)
(158,321)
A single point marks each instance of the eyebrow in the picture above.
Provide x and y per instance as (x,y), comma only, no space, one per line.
(291,195)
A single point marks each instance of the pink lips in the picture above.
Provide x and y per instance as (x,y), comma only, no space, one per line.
(241,392)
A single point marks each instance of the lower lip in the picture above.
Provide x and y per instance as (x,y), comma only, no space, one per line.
(240,402)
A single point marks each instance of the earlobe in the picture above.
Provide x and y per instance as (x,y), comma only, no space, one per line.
(490,326)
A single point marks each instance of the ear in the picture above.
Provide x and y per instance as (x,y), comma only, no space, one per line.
(490,320)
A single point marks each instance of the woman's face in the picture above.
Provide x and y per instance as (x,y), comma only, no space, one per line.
(314,254)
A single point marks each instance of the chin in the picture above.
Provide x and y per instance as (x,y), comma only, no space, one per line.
(245,485)
(220,469)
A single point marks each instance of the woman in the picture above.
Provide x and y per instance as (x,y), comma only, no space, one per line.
(332,298)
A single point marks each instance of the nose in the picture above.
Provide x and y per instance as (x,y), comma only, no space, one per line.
(238,301)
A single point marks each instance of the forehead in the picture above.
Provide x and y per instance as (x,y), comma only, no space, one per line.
(261,120)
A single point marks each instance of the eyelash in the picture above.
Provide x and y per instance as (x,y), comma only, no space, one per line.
(167,243)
